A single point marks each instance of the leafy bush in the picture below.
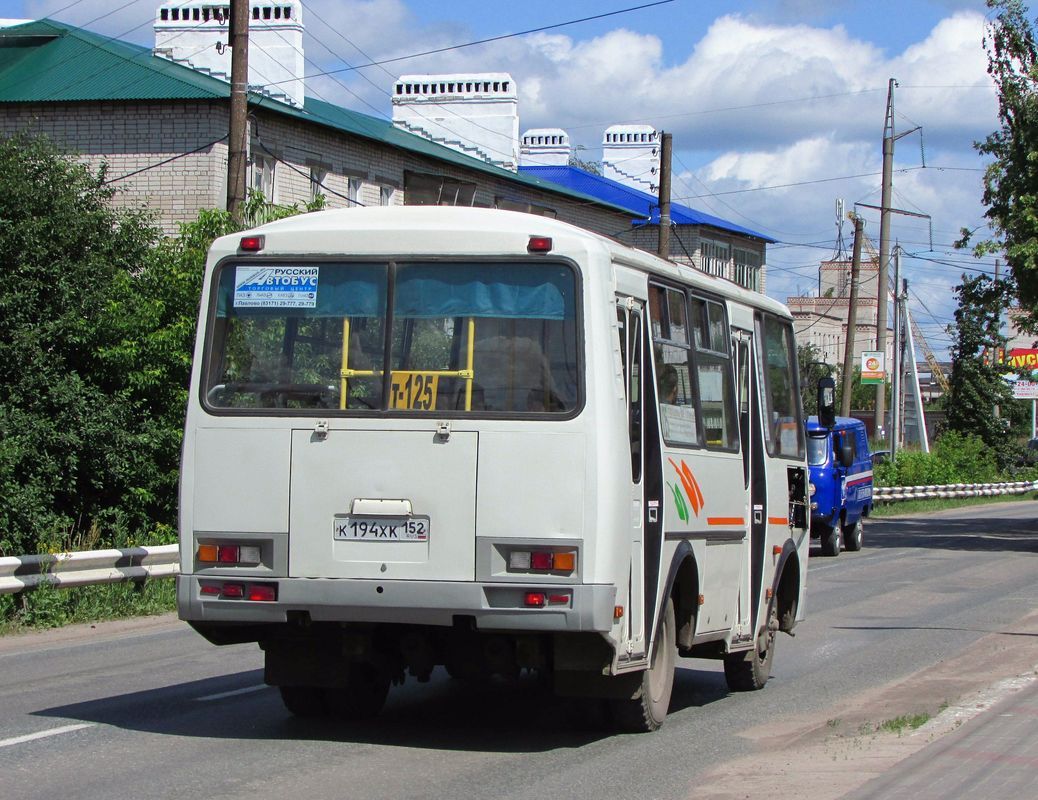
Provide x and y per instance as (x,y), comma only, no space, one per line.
(955,458)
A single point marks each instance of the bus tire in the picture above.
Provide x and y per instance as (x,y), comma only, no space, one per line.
(363,695)
(646,711)
(854,536)
(750,670)
(831,540)
(304,701)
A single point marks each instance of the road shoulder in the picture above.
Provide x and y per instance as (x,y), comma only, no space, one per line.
(826,756)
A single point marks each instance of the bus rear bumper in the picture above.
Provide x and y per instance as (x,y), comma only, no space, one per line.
(499,607)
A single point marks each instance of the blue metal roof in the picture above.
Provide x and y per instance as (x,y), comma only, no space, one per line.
(641,204)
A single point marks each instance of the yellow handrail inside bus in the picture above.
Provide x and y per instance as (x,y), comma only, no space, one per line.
(468,374)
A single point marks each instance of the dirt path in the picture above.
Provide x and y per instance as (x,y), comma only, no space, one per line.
(824,757)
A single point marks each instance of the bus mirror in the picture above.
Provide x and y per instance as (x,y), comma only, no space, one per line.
(827,401)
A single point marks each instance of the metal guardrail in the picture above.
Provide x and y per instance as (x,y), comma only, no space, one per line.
(138,563)
(888,494)
(89,567)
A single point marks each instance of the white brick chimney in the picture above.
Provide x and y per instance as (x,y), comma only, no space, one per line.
(548,147)
(476,113)
(194,33)
(631,156)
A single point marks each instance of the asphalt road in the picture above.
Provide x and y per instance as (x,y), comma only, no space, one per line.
(154,711)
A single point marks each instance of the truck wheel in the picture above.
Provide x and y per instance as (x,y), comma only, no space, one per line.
(831,541)
(647,711)
(304,701)
(363,696)
(749,671)
(854,535)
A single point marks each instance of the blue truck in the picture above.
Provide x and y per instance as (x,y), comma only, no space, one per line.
(841,482)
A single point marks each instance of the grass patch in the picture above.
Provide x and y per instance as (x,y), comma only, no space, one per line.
(51,607)
(900,507)
(903,723)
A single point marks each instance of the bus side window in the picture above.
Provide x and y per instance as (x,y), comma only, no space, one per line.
(630,354)
(671,352)
(784,430)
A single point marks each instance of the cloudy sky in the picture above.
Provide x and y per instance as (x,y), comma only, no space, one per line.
(776,106)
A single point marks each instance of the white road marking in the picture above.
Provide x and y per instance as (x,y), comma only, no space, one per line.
(233,693)
(29,737)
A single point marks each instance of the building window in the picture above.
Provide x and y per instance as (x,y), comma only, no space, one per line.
(317,178)
(421,189)
(525,207)
(262,179)
(715,257)
(748,265)
(353,191)
(385,195)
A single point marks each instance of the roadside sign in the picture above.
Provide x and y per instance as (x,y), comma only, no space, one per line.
(873,367)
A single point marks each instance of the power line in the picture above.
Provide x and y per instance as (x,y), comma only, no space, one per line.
(491,39)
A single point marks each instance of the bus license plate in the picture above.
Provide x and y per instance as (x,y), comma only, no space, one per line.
(381,529)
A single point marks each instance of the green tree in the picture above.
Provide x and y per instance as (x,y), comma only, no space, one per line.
(809,359)
(76,444)
(1011,180)
(976,385)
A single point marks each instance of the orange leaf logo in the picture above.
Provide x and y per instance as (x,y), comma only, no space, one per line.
(690,484)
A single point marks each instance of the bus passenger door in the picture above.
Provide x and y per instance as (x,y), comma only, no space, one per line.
(630,318)
(753,476)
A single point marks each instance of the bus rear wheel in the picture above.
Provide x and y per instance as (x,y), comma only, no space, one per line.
(749,671)
(647,711)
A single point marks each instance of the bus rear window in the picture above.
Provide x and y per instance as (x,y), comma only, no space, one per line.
(463,337)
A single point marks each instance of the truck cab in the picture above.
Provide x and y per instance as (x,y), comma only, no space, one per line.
(841,482)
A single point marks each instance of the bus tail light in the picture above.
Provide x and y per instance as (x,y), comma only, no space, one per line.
(564,561)
(539,244)
(254,592)
(244,554)
(251,244)
(535,599)
(263,592)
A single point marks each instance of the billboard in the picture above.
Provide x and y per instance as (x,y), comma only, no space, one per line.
(873,367)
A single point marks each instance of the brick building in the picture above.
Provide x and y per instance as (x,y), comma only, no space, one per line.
(158,120)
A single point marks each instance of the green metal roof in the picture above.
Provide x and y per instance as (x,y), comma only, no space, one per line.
(48,61)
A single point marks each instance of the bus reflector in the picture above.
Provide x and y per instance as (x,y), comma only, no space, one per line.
(263,592)
(251,244)
(534,599)
(558,599)
(539,244)
(207,552)
(618,612)
(210,589)
(233,591)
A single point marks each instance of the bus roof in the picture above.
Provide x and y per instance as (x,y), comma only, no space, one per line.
(462,231)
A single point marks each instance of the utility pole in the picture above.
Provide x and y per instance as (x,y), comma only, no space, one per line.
(852,320)
(238,129)
(664,241)
(884,248)
(895,393)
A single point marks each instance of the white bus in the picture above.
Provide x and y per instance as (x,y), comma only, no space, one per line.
(491,441)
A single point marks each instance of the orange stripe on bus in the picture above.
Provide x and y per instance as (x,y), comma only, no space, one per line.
(778,520)
(725,521)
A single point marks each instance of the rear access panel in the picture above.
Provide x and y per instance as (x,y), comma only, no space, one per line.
(383,504)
